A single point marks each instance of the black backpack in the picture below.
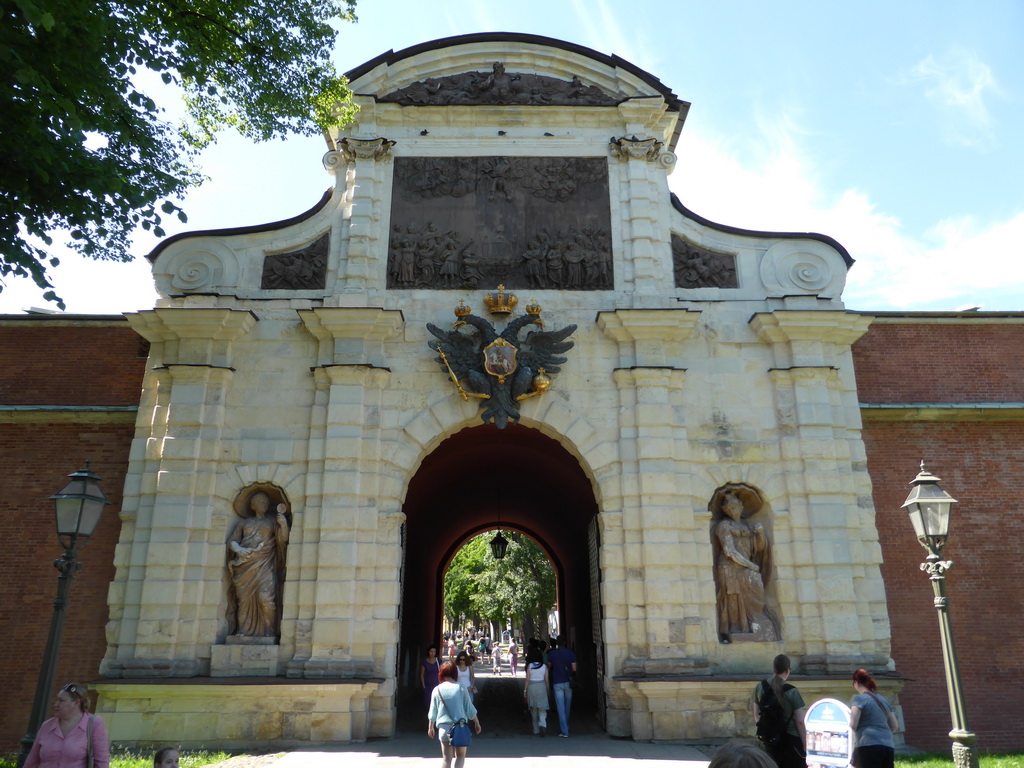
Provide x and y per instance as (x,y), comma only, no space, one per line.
(773,722)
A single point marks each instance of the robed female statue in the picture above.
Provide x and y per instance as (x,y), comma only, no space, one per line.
(743,565)
(256,560)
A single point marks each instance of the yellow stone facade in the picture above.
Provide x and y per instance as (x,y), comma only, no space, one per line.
(332,396)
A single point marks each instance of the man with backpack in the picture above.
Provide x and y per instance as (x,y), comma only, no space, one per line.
(779,716)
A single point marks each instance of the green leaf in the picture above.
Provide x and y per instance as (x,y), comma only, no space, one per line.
(263,70)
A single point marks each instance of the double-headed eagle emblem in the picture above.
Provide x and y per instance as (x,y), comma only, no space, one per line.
(499,368)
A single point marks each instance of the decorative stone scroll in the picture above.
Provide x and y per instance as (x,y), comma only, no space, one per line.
(500,87)
(304,269)
(466,222)
(651,150)
(700,268)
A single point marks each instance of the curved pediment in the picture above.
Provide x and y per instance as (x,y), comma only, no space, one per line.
(505,69)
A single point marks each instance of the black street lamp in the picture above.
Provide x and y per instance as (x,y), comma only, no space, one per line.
(929,507)
(77,506)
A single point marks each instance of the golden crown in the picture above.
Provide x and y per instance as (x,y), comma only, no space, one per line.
(462,310)
(500,303)
(533,308)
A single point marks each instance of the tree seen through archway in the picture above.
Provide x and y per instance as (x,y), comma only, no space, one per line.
(518,590)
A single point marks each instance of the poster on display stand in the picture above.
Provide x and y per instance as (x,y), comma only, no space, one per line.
(829,738)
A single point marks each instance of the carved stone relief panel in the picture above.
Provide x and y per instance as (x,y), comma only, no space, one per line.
(500,87)
(304,269)
(526,222)
(700,268)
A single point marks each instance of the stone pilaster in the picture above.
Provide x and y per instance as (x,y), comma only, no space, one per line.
(352,335)
(645,160)
(648,594)
(649,337)
(367,165)
(165,600)
(836,599)
(351,557)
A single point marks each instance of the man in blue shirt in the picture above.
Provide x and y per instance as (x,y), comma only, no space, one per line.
(562,666)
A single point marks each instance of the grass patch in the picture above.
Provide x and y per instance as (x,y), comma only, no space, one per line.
(993,760)
(142,759)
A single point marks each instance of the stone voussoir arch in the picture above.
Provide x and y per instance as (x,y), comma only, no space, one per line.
(593,447)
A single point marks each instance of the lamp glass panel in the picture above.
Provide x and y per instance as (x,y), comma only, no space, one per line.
(92,508)
(69,513)
(915,519)
(936,518)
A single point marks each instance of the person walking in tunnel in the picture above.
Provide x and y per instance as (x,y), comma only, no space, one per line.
(430,670)
(513,656)
(536,691)
(562,663)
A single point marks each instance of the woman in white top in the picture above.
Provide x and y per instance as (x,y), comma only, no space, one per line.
(467,678)
(535,690)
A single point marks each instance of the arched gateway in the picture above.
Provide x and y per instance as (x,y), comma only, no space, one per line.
(482,478)
(685,439)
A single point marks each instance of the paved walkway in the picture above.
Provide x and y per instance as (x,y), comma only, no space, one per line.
(505,741)
(523,752)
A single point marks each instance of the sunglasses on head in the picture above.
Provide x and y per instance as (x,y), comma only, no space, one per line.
(72,689)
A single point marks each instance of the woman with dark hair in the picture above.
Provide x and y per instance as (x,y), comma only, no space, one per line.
(788,751)
(167,757)
(873,722)
(72,736)
(535,690)
(466,675)
(450,704)
(430,668)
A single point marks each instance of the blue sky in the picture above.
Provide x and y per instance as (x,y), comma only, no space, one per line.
(895,127)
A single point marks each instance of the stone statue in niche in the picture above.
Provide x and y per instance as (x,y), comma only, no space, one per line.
(743,565)
(500,87)
(303,269)
(699,268)
(256,563)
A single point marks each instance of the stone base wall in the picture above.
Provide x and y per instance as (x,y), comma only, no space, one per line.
(239,714)
(711,708)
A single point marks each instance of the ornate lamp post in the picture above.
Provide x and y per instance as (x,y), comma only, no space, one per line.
(928,506)
(78,506)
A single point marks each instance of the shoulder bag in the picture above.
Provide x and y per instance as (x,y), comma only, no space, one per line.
(88,738)
(459,734)
(890,716)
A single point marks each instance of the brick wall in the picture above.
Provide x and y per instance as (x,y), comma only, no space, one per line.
(924,361)
(979,465)
(65,363)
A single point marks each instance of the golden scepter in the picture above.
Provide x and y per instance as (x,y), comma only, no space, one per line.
(451,374)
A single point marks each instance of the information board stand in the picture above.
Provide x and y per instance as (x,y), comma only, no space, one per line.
(829,738)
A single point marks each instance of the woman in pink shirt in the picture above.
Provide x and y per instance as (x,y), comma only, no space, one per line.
(63,741)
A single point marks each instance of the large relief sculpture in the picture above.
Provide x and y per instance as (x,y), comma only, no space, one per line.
(256,563)
(743,565)
(500,87)
(467,222)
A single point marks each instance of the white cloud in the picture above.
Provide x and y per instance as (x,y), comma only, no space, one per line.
(959,82)
(956,262)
